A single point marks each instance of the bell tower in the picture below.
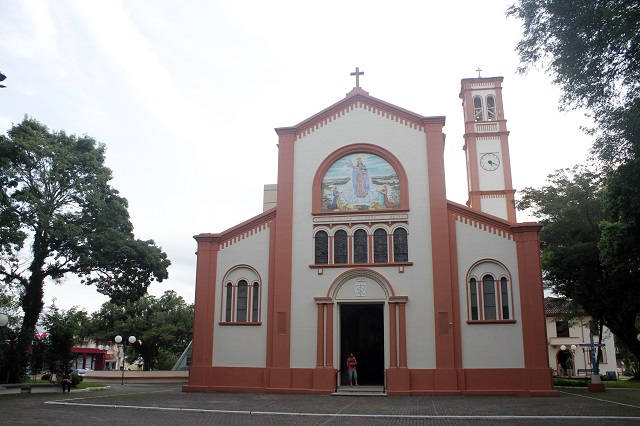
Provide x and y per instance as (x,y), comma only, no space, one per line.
(486,146)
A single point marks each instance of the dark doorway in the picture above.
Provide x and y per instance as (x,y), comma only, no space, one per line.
(362,332)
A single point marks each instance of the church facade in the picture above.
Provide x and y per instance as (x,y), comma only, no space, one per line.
(364,254)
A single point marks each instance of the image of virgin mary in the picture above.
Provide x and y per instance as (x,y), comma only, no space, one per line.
(360,178)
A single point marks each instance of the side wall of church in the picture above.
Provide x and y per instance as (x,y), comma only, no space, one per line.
(488,345)
(240,344)
(408,145)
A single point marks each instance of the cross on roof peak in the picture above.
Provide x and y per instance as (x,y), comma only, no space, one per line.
(357,73)
(479,71)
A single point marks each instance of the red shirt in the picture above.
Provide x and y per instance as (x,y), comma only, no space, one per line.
(351,362)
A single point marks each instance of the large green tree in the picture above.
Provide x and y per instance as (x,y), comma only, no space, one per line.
(60,216)
(159,324)
(591,48)
(582,251)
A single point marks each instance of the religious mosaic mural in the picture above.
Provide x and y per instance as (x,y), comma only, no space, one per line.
(360,182)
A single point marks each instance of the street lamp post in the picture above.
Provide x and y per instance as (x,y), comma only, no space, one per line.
(121,347)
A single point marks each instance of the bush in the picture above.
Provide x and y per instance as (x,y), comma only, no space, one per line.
(46,377)
(75,380)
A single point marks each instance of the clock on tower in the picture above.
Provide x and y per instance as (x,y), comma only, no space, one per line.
(487,148)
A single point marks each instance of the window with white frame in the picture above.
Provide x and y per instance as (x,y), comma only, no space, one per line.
(489,293)
(242,296)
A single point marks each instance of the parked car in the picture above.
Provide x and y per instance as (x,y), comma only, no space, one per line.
(81,371)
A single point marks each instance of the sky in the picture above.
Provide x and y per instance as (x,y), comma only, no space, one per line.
(186,95)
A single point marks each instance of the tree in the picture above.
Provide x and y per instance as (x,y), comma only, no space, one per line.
(581,252)
(59,216)
(592,50)
(164,324)
(64,329)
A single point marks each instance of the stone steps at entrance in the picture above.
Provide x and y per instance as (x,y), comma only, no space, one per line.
(360,391)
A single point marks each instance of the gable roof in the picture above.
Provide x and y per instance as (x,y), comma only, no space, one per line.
(359,98)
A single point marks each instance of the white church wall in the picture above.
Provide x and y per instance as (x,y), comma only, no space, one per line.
(409,147)
(488,345)
(242,345)
(496,206)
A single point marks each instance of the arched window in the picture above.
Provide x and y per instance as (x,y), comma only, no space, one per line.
(477,108)
(489,297)
(473,298)
(380,246)
(229,304)
(255,302)
(340,247)
(241,298)
(360,252)
(243,294)
(491,108)
(322,248)
(504,297)
(400,245)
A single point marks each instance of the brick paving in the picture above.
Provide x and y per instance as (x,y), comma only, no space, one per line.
(167,405)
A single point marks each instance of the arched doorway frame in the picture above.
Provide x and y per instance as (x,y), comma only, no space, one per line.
(395,319)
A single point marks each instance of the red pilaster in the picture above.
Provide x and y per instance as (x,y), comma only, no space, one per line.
(402,330)
(320,337)
(534,333)
(393,343)
(329,334)
(442,285)
(202,357)
(280,287)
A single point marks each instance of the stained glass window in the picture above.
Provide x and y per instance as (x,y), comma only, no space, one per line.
(360,252)
(400,245)
(340,247)
(380,246)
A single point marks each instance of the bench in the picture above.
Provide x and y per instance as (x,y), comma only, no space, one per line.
(586,371)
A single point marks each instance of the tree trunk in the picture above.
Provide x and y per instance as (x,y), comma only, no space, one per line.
(32,307)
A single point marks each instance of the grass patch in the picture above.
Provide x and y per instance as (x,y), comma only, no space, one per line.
(85,385)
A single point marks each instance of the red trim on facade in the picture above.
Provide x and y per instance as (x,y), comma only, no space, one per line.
(402,331)
(279,312)
(316,192)
(457,314)
(481,220)
(440,241)
(207,262)
(320,336)
(393,341)
(534,330)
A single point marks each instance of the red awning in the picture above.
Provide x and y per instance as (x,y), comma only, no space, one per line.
(86,350)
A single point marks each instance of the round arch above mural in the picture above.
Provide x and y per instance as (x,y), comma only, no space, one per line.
(360,178)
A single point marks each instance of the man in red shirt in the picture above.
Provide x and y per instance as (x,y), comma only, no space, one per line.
(351,367)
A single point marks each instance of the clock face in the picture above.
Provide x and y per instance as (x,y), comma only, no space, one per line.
(489,162)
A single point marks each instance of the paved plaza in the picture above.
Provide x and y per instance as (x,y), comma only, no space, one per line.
(167,405)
